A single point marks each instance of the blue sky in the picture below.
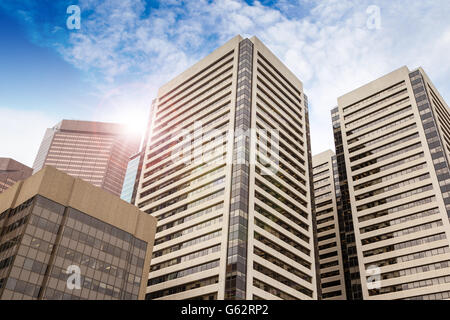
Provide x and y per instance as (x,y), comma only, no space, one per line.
(110,69)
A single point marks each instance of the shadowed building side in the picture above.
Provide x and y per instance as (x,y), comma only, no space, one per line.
(326,187)
(12,171)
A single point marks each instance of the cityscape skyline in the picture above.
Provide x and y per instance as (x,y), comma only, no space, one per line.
(323,43)
(307,160)
(193,181)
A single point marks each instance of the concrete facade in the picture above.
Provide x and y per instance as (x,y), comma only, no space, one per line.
(326,187)
(395,151)
(225,229)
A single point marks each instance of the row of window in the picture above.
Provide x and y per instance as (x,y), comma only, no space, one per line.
(380,120)
(388,156)
(376,132)
(403,232)
(415,270)
(382,138)
(411,285)
(184,272)
(385,147)
(185,258)
(190,217)
(396,209)
(403,195)
(184,232)
(411,257)
(381,110)
(375,96)
(393,222)
(282,279)
(404,245)
(394,186)
(186,244)
(182,288)
(281,223)
(393,175)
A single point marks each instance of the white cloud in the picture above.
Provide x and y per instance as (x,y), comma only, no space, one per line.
(330,48)
(22,133)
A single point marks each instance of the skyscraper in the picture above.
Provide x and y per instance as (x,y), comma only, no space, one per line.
(326,193)
(11,172)
(96,152)
(394,154)
(63,238)
(227,173)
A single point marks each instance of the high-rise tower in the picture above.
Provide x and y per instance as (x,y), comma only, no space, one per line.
(96,152)
(393,147)
(226,173)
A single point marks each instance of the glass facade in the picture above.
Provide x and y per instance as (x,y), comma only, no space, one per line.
(235,284)
(41,240)
(129,182)
(437,150)
(346,228)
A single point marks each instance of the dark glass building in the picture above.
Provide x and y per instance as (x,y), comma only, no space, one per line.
(62,238)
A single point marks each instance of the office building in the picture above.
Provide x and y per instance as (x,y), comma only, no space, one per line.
(12,171)
(227,173)
(63,238)
(326,193)
(393,145)
(96,152)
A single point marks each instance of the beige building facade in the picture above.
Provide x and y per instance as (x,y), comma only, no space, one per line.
(395,148)
(326,186)
(234,210)
(54,226)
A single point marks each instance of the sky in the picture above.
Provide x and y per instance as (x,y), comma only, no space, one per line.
(111,67)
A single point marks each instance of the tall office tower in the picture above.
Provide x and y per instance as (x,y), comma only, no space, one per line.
(227,175)
(396,146)
(96,152)
(326,188)
(11,172)
(63,238)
